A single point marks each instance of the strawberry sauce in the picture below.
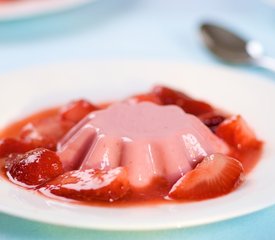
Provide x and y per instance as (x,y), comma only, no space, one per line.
(46,129)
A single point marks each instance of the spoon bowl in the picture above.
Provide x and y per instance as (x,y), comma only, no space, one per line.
(231,47)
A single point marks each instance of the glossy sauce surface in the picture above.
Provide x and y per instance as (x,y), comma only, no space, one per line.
(153,193)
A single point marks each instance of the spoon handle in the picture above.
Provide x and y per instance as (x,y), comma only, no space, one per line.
(266,62)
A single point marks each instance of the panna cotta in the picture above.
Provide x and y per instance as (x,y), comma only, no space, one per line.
(148,139)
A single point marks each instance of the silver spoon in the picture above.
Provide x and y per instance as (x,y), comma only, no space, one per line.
(232,48)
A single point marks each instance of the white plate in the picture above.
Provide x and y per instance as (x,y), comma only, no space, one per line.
(252,96)
(27,8)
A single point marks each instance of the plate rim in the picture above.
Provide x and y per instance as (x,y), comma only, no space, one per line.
(33,8)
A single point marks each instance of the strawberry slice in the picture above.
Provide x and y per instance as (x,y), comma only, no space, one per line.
(236,132)
(104,105)
(212,120)
(90,185)
(170,96)
(76,110)
(149,97)
(216,175)
(12,145)
(45,133)
(34,167)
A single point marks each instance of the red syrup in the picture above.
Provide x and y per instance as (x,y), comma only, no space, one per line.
(157,191)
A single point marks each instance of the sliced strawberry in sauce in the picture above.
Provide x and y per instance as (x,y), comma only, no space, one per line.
(76,110)
(104,105)
(149,97)
(12,145)
(215,176)
(212,120)
(170,96)
(45,133)
(90,185)
(236,132)
(34,167)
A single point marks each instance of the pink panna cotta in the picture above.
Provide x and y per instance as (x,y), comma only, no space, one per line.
(148,139)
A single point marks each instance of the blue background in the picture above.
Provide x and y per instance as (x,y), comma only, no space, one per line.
(135,29)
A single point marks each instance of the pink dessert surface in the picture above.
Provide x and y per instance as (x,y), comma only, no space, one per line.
(150,140)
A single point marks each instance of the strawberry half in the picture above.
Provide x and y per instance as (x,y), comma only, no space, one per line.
(45,133)
(170,96)
(216,175)
(236,132)
(34,167)
(76,110)
(12,145)
(90,185)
